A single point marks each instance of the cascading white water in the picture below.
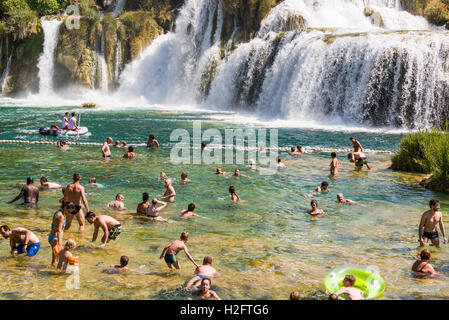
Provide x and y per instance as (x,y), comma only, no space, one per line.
(46,61)
(349,66)
(119,6)
(118,58)
(103,65)
(7,68)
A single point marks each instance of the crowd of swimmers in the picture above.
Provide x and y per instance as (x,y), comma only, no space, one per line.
(24,241)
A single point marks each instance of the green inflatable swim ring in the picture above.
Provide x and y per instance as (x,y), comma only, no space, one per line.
(368,280)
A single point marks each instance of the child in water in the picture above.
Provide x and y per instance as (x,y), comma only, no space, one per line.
(65,256)
(349,291)
(204,292)
(122,267)
(335,164)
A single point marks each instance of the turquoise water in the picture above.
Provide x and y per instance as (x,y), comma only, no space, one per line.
(264,247)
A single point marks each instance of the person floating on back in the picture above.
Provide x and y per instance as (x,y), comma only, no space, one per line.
(170,251)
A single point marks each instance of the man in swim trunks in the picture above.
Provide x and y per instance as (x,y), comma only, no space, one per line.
(111,227)
(57,230)
(356,144)
(48,185)
(143,206)
(105,148)
(118,202)
(335,164)
(74,192)
(428,226)
(204,271)
(21,241)
(169,191)
(171,250)
(29,192)
(153,210)
(359,159)
(341,199)
(152,142)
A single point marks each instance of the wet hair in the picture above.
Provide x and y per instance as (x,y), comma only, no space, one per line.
(124,143)
(152,136)
(203,145)
(324,184)
(295,295)
(207,260)
(206,278)
(191,207)
(43,179)
(70,244)
(433,202)
(352,138)
(30,180)
(93,180)
(314,201)
(184,174)
(293,149)
(279,159)
(124,260)
(333,154)
(349,278)
(425,254)
(67,204)
(231,189)
(333,296)
(218,169)
(145,197)
(130,149)
(118,195)
(184,235)
(4,228)
(298,146)
(90,214)
(76,177)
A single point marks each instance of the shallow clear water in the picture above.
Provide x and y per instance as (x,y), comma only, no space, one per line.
(264,247)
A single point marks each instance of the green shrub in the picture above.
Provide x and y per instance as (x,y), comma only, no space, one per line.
(8,5)
(88,11)
(22,23)
(44,7)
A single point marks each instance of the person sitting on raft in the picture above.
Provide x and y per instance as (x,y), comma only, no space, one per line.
(422,267)
(72,122)
(48,185)
(21,241)
(170,251)
(315,211)
(118,202)
(349,291)
(65,256)
(341,199)
(204,292)
(323,187)
(204,271)
(30,194)
(143,206)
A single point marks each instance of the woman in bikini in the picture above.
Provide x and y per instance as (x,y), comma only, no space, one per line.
(422,267)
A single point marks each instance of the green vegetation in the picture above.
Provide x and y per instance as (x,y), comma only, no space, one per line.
(426,152)
(436,11)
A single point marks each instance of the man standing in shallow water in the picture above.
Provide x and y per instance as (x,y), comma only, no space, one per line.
(74,192)
(105,148)
(428,228)
(172,249)
(30,194)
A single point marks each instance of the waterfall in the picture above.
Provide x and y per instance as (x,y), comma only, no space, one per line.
(7,68)
(1,47)
(118,58)
(359,61)
(119,6)
(46,61)
(103,65)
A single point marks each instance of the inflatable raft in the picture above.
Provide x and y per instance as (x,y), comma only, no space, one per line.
(65,133)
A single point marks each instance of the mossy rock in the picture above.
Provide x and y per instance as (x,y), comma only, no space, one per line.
(437,13)
(90,105)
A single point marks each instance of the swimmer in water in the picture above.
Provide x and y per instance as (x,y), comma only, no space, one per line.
(171,250)
(203,145)
(130,153)
(341,199)
(153,210)
(111,227)
(315,211)
(219,171)
(335,164)
(428,226)
(238,174)
(117,203)
(234,196)
(184,177)
(301,149)
(48,185)
(205,293)
(170,193)
(163,176)
(93,182)
(293,152)
(204,271)
(280,163)
(30,194)
(295,295)
(323,187)
(189,212)
(349,291)
(422,267)
(117,144)
(124,145)
(21,241)
(252,164)
(65,256)
(143,206)
(62,145)
(122,267)
(152,142)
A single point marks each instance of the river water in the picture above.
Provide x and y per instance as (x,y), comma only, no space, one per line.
(264,247)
